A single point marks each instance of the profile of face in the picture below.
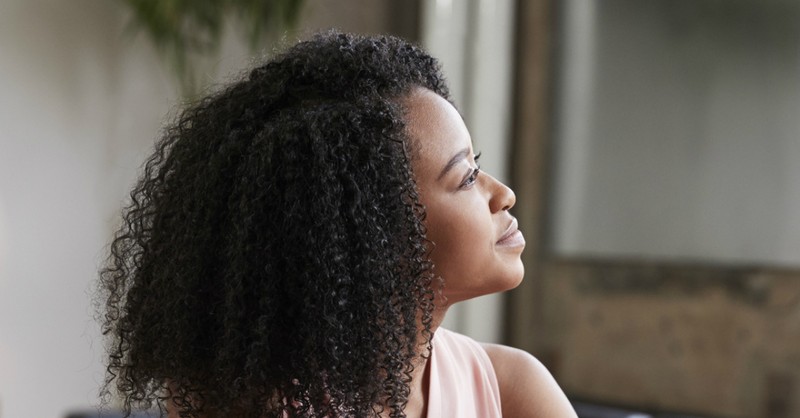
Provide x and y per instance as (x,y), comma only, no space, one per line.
(476,243)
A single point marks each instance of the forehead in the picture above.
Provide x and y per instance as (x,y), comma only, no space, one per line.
(436,129)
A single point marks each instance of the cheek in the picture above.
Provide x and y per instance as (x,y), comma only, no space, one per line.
(463,241)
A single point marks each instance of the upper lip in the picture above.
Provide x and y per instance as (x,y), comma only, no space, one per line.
(512,228)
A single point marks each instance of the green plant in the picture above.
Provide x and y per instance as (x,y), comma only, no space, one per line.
(187,31)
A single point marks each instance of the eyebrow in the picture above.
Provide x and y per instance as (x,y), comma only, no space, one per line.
(453,161)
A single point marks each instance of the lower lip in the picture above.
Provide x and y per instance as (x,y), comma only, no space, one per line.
(514,240)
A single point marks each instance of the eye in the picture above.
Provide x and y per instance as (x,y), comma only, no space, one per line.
(470,180)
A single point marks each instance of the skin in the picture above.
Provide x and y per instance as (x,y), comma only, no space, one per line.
(467,215)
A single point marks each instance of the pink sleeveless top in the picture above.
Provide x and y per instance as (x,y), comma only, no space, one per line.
(462,380)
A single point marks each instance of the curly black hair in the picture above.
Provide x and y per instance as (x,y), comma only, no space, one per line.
(272,260)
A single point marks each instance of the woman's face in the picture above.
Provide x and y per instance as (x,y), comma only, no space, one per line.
(477,246)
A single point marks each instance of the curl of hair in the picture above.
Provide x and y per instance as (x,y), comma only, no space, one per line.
(272,260)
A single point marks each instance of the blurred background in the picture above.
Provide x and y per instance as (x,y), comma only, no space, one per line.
(653,146)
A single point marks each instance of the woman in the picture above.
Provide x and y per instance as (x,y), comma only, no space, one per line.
(295,242)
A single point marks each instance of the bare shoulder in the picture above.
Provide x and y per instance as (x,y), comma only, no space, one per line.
(527,389)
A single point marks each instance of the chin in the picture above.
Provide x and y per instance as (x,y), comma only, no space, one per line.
(508,281)
(517,280)
(515,274)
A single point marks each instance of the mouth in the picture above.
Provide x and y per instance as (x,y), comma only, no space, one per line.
(512,237)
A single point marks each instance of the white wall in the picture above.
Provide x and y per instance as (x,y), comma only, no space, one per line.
(678,132)
(80,106)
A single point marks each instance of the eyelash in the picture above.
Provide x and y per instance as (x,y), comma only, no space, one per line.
(473,175)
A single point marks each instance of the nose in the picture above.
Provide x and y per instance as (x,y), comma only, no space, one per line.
(502,197)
